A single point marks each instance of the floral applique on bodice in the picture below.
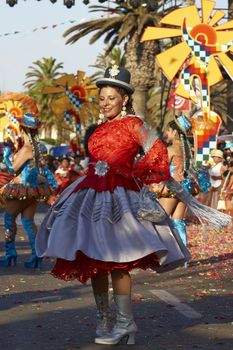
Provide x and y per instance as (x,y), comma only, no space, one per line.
(114,146)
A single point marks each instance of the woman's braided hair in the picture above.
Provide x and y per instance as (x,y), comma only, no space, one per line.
(33,136)
(185,145)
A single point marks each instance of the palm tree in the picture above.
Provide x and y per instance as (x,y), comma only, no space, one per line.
(41,74)
(125,23)
(104,60)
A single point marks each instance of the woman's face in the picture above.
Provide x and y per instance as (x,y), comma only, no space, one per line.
(111,102)
(64,163)
(217,159)
(169,135)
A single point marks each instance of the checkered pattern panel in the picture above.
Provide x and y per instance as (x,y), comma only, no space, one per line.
(68,119)
(12,118)
(74,100)
(205,141)
(201,52)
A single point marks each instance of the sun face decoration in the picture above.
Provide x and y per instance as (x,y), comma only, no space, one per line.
(10,112)
(204,46)
(77,100)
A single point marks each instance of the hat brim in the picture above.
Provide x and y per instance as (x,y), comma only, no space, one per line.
(114,82)
(216,155)
(31,127)
(180,127)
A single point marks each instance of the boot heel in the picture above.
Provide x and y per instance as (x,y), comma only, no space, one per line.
(131,339)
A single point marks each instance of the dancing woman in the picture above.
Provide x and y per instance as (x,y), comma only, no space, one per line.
(179,153)
(94,229)
(28,186)
(181,167)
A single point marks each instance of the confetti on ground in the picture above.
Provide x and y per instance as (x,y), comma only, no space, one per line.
(208,245)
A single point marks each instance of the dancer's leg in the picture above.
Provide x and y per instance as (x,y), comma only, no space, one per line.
(125,325)
(100,291)
(12,209)
(27,218)
(179,222)
(169,204)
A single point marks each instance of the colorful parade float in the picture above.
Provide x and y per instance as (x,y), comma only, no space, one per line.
(202,49)
(76,105)
(10,112)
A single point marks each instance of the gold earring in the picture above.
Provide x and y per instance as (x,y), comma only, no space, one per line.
(123,111)
(101,118)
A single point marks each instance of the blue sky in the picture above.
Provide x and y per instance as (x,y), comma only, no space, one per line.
(19,51)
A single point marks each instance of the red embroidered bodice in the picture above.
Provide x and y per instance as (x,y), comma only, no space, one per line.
(117,143)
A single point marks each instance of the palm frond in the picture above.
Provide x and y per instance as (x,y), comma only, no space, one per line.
(96,23)
(128,25)
(105,30)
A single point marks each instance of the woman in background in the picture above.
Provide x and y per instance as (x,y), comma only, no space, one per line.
(28,186)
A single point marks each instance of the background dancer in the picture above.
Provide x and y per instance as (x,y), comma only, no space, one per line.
(27,187)
(180,160)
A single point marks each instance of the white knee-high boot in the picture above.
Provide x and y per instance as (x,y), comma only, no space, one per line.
(125,326)
(103,314)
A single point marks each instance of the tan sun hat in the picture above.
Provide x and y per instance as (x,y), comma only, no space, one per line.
(216,153)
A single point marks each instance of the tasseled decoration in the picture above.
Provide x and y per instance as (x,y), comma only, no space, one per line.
(212,216)
(148,137)
(149,208)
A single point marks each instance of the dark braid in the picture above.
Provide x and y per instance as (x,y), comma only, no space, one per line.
(186,148)
(34,141)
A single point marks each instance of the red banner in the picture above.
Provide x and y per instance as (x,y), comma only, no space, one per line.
(177,102)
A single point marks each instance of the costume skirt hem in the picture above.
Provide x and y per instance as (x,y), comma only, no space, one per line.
(84,267)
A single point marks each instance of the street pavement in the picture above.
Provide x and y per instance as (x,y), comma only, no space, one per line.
(185,309)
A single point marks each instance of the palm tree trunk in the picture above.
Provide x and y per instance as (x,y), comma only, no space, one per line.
(140,61)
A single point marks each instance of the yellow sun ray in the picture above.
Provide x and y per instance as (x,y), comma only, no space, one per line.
(170,62)
(214,73)
(91,87)
(207,7)
(224,36)
(180,91)
(86,81)
(60,105)
(153,33)
(66,79)
(228,25)
(52,90)
(216,17)
(176,17)
(227,63)
(80,76)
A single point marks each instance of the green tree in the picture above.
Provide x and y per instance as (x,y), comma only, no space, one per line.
(40,75)
(104,60)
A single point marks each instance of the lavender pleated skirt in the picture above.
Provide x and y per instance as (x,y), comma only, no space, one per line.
(104,226)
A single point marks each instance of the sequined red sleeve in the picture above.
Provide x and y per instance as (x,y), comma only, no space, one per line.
(154,166)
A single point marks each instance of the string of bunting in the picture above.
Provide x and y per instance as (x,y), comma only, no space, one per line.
(53,26)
